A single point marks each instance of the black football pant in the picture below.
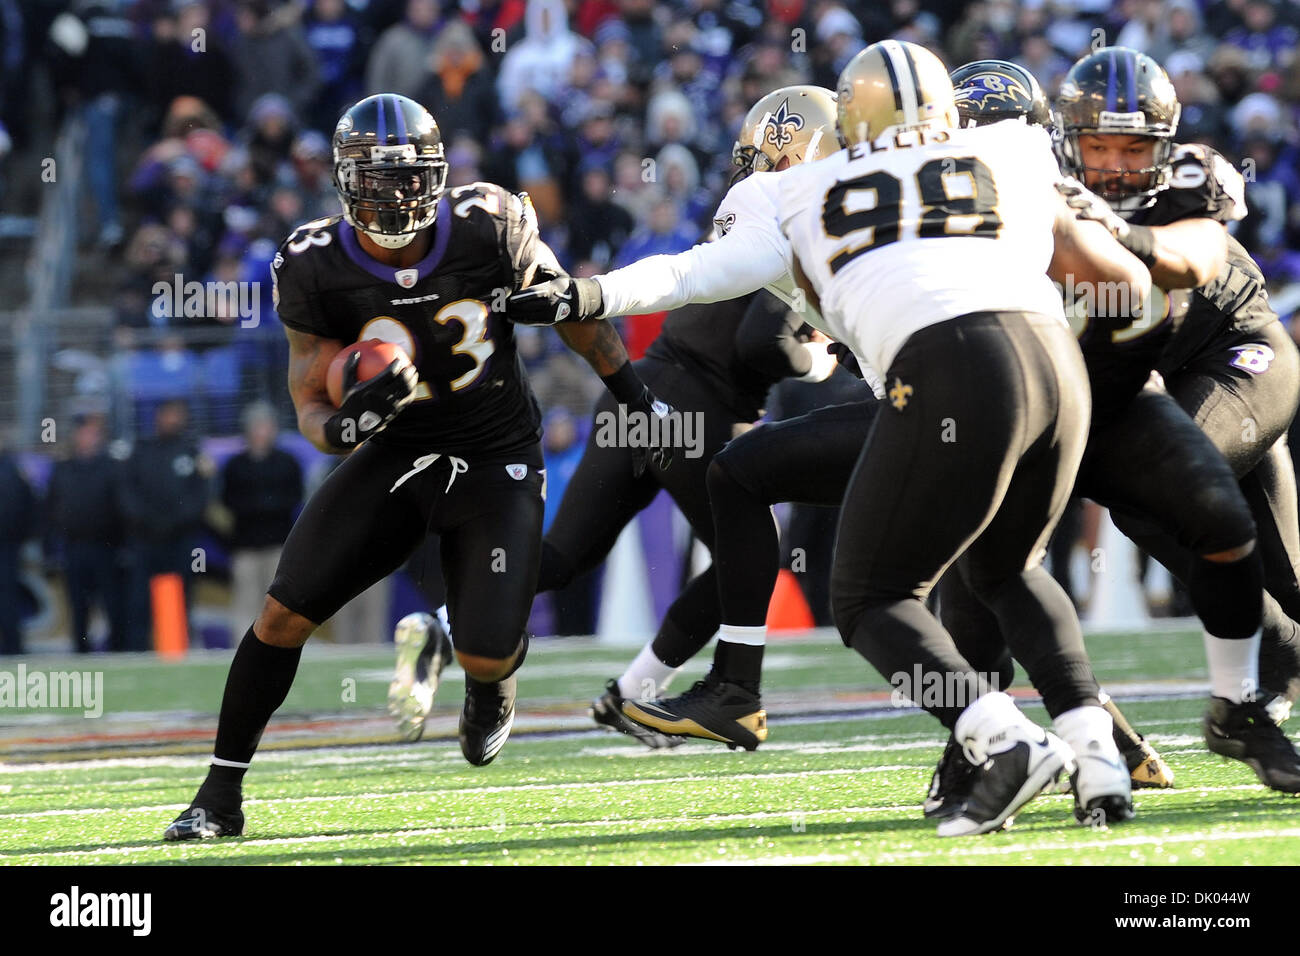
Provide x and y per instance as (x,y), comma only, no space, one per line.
(808,459)
(377,507)
(604,495)
(1151,464)
(970,461)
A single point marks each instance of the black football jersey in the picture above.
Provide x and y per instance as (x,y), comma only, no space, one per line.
(739,348)
(1120,358)
(473,397)
(1204,185)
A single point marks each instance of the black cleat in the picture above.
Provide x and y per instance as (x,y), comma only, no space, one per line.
(607,710)
(486,719)
(1006,781)
(423,650)
(197,823)
(951,782)
(1247,733)
(710,710)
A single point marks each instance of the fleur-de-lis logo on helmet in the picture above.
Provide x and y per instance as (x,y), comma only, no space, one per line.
(782,126)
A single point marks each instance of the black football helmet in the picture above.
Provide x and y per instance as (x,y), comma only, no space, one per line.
(1119,90)
(989,91)
(389,164)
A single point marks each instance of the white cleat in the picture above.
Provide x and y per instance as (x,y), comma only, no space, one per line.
(1026,760)
(1103,786)
(423,650)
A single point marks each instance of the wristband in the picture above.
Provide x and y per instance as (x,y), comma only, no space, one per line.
(625,385)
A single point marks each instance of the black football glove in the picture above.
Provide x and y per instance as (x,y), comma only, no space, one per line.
(368,407)
(560,300)
(844,355)
(660,452)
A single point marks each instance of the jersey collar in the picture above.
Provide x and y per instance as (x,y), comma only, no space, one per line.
(386,273)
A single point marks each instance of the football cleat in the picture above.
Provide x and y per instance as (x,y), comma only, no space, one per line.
(486,719)
(1247,733)
(1007,780)
(423,650)
(951,782)
(1146,767)
(1103,790)
(711,710)
(198,823)
(607,710)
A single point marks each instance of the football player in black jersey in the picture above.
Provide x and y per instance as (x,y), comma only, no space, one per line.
(714,362)
(447,444)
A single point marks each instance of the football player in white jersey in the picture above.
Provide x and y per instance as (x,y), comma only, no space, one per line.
(928,250)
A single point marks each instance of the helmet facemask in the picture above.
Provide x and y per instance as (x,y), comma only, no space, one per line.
(397,192)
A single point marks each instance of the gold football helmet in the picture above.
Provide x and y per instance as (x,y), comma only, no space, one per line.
(792,125)
(892,85)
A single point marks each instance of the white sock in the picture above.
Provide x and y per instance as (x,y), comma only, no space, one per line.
(989,714)
(1234,667)
(441,614)
(751,636)
(646,677)
(1089,730)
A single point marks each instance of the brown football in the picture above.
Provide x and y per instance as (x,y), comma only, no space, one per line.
(376,355)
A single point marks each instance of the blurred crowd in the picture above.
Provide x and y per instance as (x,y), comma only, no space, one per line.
(208,122)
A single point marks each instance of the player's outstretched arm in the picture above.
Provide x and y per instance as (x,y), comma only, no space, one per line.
(1181,255)
(742,261)
(1188,253)
(1086,254)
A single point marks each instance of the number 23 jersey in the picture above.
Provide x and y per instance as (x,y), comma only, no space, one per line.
(934,225)
(473,397)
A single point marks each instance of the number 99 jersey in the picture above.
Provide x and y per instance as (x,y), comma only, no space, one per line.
(900,235)
(473,397)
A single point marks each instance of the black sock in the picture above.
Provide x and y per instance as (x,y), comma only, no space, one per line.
(740,664)
(675,646)
(259,680)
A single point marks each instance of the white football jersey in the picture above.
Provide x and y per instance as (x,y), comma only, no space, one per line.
(898,237)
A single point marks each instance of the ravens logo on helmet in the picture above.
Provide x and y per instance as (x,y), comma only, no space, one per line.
(989,91)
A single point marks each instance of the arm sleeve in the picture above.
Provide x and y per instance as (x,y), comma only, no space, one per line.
(742,261)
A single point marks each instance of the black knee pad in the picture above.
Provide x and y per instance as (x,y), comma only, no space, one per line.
(1229,596)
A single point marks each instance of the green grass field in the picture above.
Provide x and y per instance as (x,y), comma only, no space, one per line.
(839,781)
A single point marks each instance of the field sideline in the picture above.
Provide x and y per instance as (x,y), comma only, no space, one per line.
(840,780)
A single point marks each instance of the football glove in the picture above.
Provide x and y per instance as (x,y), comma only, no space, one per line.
(1089,206)
(559,300)
(660,453)
(369,406)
